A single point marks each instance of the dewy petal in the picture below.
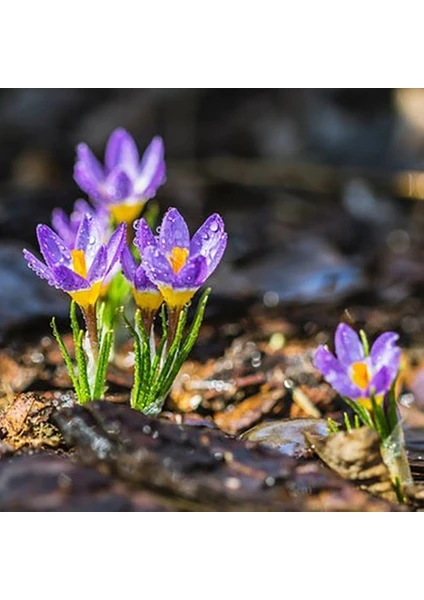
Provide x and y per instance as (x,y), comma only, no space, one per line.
(69,281)
(129,266)
(143,236)
(348,345)
(381,382)
(53,248)
(82,239)
(88,172)
(335,373)
(98,268)
(210,241)
(38,267)
(141,282)
(193,274)
(63,226)
(121,150)
(118,186)
(152,171)
(383,344)
(114,246)
(173,232)
(157,267)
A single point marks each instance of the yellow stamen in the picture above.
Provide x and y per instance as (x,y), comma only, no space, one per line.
(360,375)
(126,213)
(78,262)
(86,298)
(149,301)
(366,402)
(178,258)
(175,298)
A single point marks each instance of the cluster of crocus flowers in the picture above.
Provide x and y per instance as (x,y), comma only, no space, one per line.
(84,253)
(125,182)
(355,373)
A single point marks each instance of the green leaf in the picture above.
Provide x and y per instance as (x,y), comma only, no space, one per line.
(102,364)
(332,426)
(67,359)
(188,343)
(138,365)
(365,342)
(347,422)
(361,411)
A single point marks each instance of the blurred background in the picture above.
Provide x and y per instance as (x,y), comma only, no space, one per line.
(321,190)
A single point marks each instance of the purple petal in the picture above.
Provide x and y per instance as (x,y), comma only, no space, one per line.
(381,382)
(129,266)
(52,247)
(143,236)
(335,373)
(83,234)
(88,172)
(69,281)
(210,241)
(115,245)
(63,226)
(173,232)
(98,267)
(142,282)
(152,172)
(38,267)
(157,267)
(193,274)
(118,186)
(384,343)
(121,150)
(348,345)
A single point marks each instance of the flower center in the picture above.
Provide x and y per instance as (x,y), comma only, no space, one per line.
(78,262)
(126,213)
(178,258)
(360,375)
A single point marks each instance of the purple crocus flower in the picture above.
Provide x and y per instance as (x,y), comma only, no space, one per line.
(146,294)
(355,375)
(80,271)
(125,183)
(177,265)
(67,226)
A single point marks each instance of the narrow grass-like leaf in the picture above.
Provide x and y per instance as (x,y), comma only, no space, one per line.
(188,343)
(332,426)
(361,411)
(347,422)
(365,342)
(78,335)
(102,364)
(66,358)
(138,365)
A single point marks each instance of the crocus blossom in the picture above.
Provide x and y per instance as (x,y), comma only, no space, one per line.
(67,226)
(124,183)
(79,270)
(177,265)
(146,294)
(355,375)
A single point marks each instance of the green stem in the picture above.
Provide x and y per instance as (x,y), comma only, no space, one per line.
(91,322)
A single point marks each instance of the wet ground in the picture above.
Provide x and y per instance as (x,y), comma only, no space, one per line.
(322,227)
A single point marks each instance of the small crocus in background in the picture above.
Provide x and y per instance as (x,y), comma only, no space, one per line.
(79,268)
(124,183)
(172,269)
(357,373)
(366,378)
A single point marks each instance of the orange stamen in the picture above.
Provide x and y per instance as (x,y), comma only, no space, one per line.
(178,258)
(360,375)
(78,262)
